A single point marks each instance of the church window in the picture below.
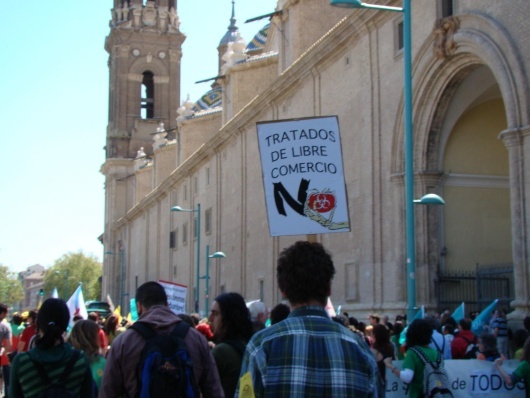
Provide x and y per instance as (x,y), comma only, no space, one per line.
(447,8)
(147,96)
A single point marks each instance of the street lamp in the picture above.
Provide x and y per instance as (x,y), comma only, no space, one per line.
(409,147)
(207,276)
(198,266)
(122,273)
(65,281)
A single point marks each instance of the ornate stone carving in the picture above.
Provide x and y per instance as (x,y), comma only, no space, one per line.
(444,31)
(149,14)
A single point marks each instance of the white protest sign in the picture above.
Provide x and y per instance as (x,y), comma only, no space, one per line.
(303,176)
(176,296)
(468,378)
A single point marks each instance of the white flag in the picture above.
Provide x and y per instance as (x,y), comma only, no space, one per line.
(76,305)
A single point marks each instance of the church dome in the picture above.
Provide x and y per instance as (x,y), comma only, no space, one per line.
(258,42)
(212,99)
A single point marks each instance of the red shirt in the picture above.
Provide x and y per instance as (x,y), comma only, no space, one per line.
(27,334)
(102,339)
(459,344)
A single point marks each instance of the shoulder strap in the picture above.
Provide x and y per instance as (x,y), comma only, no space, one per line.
(424,358)
(436,345)
(144,330)
(181,329)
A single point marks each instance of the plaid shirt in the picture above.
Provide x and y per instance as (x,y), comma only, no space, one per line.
(309,355)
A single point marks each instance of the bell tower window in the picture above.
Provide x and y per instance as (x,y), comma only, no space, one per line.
(147,96)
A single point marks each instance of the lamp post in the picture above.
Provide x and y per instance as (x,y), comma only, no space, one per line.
(409,146)
(207,276)
(198,265)
(122,273)
(65,281)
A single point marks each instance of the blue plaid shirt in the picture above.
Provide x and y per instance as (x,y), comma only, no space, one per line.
(309,355)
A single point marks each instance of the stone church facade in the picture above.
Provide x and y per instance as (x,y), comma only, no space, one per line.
(471,140)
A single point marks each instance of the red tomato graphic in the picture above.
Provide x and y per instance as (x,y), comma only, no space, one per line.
(322,202)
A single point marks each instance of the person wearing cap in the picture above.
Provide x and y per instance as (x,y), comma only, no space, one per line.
(28,333)
(53,355)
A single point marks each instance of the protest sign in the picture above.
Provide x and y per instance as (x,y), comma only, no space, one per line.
(176,296)
(468,378)
(303,176)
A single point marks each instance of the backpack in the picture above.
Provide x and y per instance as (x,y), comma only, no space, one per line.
(472,348)
(58,388)
(165,367)
(435,381)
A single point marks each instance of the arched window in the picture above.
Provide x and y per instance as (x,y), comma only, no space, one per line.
(147,104)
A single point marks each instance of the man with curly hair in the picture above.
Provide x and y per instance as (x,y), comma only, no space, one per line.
(308,355)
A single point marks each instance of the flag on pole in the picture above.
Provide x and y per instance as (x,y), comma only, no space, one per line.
(76,305)
(55,294)
(419,315)
(483,319)
(459,313)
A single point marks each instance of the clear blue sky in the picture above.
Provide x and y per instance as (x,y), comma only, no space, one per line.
(53,116)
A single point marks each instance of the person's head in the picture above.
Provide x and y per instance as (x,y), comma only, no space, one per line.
(258,311)
(111,324)
(52,321)
(17,319)
(353,322)
(148,295)
(32,317)
(448,328)
(398,328)
(487,342)
(93,316)
(304,272)
(464,324)
(374,319)
(381,336)
(419,333)
(230,318)
(279,313)
(84,336)
(3,311)
(77,318)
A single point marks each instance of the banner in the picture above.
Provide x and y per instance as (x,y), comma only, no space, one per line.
(303,176)
(468,378)
(176,296)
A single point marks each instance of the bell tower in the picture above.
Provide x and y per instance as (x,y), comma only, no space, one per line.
(145,50)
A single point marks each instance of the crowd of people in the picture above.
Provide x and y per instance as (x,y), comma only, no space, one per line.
(293,350)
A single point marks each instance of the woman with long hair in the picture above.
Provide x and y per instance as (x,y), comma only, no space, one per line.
(230,323)
(487,347)
(112,328)
(382,347)
(419,335)
(51,361)
(521,373)
(84,337)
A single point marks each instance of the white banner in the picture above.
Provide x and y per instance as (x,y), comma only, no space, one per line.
(303,176)
(176,296)
(468,378)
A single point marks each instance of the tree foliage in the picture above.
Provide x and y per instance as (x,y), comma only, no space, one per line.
(68,271)
(11,290)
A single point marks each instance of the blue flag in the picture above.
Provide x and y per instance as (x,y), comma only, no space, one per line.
(483,319)
(459,313)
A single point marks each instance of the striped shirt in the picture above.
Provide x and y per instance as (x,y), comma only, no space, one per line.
(26,381)
(309,355)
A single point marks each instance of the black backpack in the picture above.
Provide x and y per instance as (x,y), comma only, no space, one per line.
(57,389)
(435,380)
(472,348)
(165,367)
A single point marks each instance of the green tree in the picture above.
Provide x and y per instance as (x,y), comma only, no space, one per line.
(11,290)
(68,271)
